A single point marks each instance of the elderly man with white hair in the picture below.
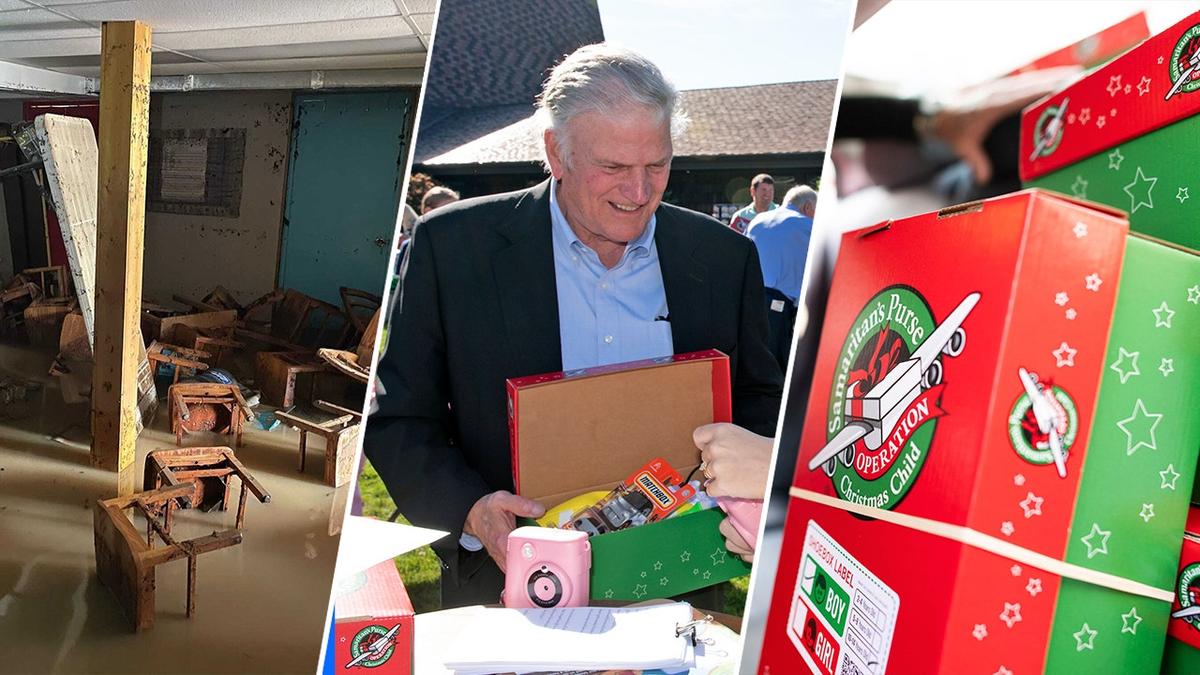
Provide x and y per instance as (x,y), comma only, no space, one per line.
(588,268)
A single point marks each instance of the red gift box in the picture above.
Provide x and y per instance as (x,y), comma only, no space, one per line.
(374,622)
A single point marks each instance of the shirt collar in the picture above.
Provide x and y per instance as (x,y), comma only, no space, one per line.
(564,235)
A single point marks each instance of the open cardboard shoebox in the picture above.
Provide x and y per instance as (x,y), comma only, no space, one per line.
(583,430)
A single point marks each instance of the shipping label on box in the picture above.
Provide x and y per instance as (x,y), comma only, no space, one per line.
(587,430)
(1126,134)
(373,625)
(1029,467)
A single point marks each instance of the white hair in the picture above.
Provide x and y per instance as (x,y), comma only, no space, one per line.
(801,196)
(603,77)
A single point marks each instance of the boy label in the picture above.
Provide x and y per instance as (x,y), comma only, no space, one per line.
(842,616)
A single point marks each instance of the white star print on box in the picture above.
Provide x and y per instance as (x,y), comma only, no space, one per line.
(1140,424)
(1079,187)
(1032,505)
(1168,475)
(1015,570)
(685,556)
(1085,115)
(1147,512)
(1071,314)
(1182,195)
(979,631)
(1064,356)
(1139,191)
(1011,614)
(1114,85)
(1033,587)
(1123,368)
(1144,86)
(1092,282)
(1002,671)
(1091,538)
(640,591)
(608,594)
(1084,638)
(1018,480)
(643,575)
(1080,230)
(707,574)
(663,581)
(1114,159)
(1166,366)
(1194,294)
(1130,621)
(1100,122)
(1060,298)
(1006,528)
(1163,315)
(718,558)
(657,565)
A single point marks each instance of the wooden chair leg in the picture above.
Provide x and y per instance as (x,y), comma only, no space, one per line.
(191,586)
(303,444)
(241,514)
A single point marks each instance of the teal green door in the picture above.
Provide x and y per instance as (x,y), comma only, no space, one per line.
(343,191)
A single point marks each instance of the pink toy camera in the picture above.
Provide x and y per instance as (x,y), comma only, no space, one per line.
(547,567)
(745,515)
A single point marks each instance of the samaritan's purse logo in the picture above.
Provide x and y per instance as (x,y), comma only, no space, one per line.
(1185,63)
(372,646)
(886,396)
(1025,430)
(1048,132)
(1186,593)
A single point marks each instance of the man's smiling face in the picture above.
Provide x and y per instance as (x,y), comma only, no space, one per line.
(615,174)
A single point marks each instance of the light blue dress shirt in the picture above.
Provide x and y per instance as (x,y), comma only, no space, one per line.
(781,237)
(608,315)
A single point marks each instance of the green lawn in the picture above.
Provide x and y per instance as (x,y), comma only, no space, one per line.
(421,570)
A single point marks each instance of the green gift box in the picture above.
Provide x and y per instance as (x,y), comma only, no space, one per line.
(1133,498)
(1127,135)
(588,430)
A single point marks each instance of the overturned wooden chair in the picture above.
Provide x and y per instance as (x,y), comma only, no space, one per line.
(179,358)
(341,439)
(186,396)
(126,563)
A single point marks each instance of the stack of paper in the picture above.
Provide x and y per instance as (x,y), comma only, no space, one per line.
(577,638)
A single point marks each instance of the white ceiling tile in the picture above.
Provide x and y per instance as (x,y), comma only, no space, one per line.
(325,31)
(181,15)
(424,23)
(15,49)
(419,6)
(324,49)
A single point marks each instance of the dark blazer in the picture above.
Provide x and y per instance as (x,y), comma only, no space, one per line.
(478,304)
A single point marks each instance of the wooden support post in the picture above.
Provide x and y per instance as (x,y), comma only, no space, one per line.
(120,220)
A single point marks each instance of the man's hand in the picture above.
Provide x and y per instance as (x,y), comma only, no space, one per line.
(736,460)
(494,516)
(734,541)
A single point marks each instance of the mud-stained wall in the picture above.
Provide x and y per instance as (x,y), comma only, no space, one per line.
(189,254)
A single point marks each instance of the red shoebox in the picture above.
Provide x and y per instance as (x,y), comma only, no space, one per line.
(929,322)
(374,622)
(1186,627)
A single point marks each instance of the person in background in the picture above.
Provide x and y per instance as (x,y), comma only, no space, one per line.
(762,194)
(781,237)
(438,196)
(736,463)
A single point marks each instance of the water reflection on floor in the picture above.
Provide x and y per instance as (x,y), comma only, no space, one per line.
(260,606)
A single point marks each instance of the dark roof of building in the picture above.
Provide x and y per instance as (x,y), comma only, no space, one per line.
(498,52)
(768,119)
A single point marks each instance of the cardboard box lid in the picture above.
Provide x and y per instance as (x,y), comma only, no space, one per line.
(374,592)
(1096,48)
(589,429)
(1121,100)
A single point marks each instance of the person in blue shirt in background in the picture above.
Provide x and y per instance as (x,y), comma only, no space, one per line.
(781,237)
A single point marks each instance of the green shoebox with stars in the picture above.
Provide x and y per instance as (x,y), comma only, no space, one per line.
(1128,135)
(1133,498)
(587,430)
